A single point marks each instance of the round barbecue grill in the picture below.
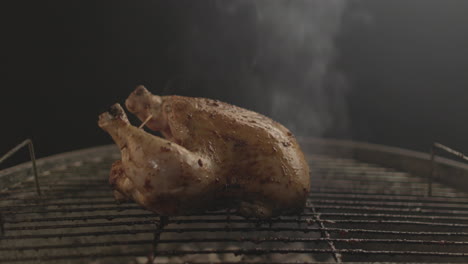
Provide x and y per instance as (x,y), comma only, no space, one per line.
(367,203)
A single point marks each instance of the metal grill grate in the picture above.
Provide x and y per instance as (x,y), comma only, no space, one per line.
(356,212)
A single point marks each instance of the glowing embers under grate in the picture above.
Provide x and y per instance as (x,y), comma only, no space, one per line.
(356,212)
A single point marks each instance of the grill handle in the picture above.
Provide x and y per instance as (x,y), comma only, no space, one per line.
(32,155)
(435,146)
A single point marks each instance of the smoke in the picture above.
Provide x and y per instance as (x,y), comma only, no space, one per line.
(295,56)
(276,57)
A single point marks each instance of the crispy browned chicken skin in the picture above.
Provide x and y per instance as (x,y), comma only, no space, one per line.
(214,155)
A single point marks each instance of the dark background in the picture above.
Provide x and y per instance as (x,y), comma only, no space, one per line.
(401,66)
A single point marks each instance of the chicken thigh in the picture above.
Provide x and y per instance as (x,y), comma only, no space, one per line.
(214,155)
(158,174)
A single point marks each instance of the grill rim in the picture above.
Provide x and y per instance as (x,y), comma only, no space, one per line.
(383,155)
(406,160)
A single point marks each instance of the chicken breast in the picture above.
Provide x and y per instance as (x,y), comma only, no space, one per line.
(214,155)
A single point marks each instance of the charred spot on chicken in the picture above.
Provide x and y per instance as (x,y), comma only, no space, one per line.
(212,155)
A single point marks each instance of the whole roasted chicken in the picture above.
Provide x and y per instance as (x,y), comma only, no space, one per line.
(213,155)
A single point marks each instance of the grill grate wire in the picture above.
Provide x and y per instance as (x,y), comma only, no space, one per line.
(356,212)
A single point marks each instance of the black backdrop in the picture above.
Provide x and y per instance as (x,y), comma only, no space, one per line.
(64,62)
